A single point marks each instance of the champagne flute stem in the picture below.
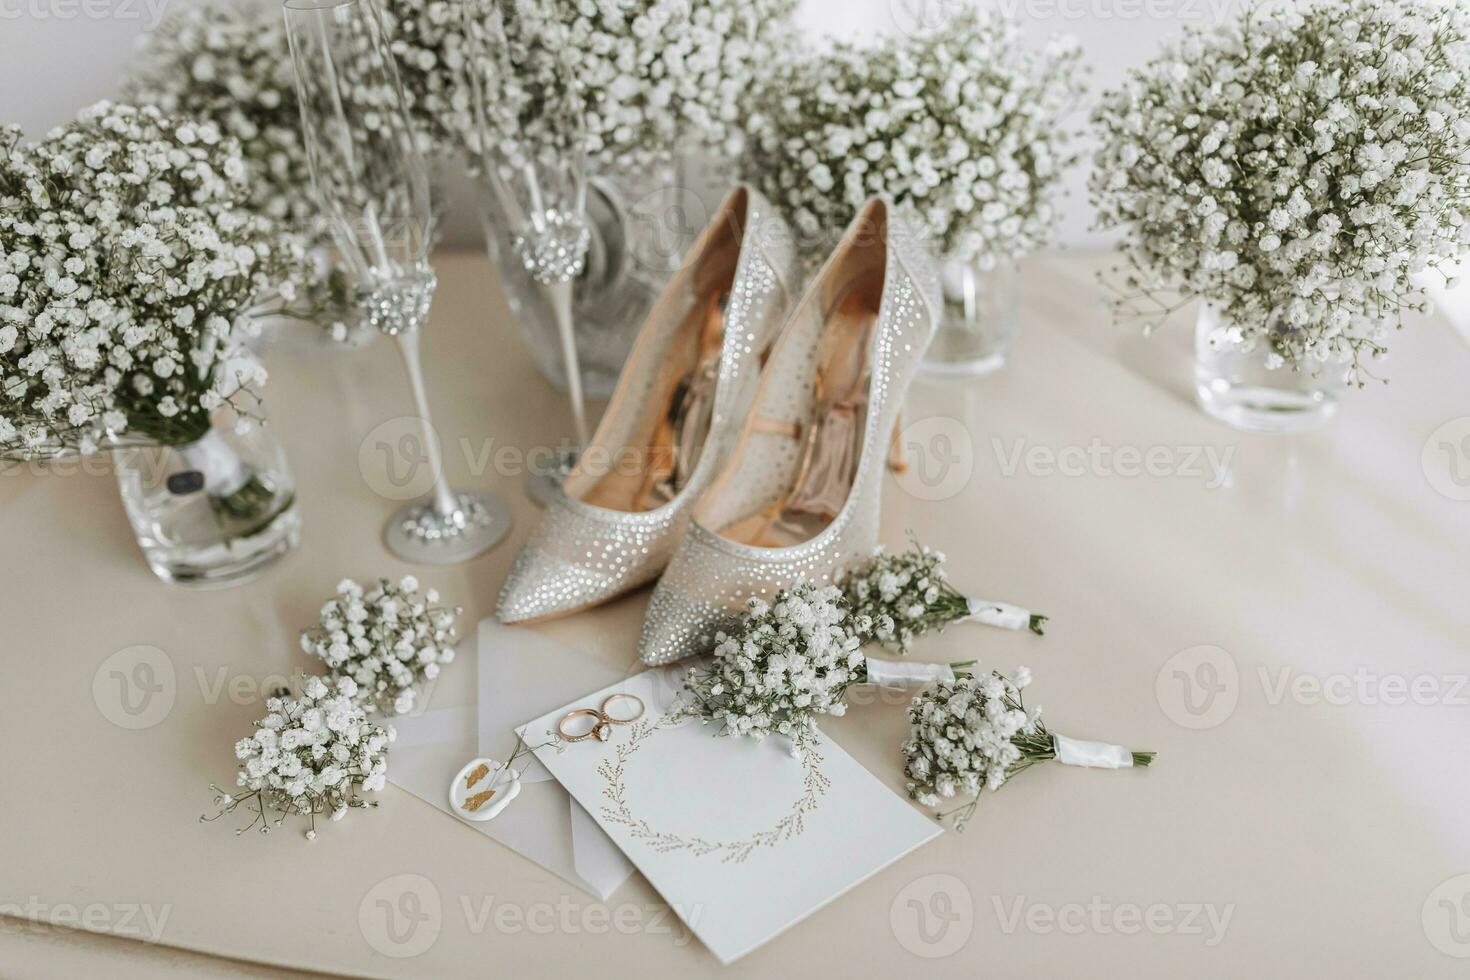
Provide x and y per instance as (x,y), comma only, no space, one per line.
(560,295)
(408,345)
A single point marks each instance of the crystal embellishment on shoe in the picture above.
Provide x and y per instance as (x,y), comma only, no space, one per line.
(619,514)
(579,556)
(798,499)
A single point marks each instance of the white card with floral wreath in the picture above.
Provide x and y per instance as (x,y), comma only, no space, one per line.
(740,838)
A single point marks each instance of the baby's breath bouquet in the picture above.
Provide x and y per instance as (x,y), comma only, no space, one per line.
(627,83)
(783,664)
(962,124)
(428,48)
(894,598)
(974,732)
(229,63)
(309,756)
(130,269)
(388,639)
(787,662)
(1295,170)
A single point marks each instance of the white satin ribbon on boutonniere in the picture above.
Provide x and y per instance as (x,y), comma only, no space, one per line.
(1001,614)
(1094,755)
(896,673)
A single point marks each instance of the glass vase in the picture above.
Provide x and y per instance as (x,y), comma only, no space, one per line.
(1243,389)
(211,512)
(629,261)
(981,316)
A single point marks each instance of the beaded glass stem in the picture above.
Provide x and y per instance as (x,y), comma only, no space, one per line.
(373,184)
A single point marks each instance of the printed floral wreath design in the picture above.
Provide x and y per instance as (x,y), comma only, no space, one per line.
(814,787)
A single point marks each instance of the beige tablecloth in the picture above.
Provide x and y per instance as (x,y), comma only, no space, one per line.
(1283,619)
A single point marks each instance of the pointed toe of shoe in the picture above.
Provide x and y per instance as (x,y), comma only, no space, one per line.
(530,594)
(540,587)
(581,556)
(676,627)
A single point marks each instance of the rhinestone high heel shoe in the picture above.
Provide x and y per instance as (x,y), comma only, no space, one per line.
(678,405)
(798,498)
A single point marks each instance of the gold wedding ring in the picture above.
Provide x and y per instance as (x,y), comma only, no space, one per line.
(607,716)
(602,720)
(600,727)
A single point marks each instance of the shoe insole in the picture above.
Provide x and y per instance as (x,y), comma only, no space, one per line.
(666,450)
(841,386)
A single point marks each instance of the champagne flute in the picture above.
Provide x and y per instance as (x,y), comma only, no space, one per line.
(542,192)
(373,184)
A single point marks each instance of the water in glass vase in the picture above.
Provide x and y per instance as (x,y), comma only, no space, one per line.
(980,318)
(1243,389)
(211,512)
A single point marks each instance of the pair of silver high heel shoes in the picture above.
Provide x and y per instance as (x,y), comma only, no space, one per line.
(743,449)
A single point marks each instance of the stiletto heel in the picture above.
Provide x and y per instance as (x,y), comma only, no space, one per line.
(898,457)
(798,498)
(679,402)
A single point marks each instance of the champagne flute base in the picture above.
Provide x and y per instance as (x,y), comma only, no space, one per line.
(418,533)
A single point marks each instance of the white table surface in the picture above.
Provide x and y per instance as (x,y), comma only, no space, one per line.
(1316,828)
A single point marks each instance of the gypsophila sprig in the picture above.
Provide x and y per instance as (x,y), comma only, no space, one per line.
(309,756)
(895,598)
(975,732)
(129,270)
(429,52)
(962,124)
(632,81)
(388,639)
(1296,170)
(229,63)
(779,667)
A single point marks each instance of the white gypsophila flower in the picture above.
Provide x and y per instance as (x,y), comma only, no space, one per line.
(969,733)
(137,263)
(895,598)
(962,125)
(781,666)
(312,755)
(625,83)
(229,63)
(1296,169)
(388,639)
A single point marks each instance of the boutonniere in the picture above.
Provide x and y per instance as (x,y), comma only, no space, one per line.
(895,598)
(975,732)
(787,662)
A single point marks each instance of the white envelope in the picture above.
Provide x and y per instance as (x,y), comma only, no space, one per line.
(473,710)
